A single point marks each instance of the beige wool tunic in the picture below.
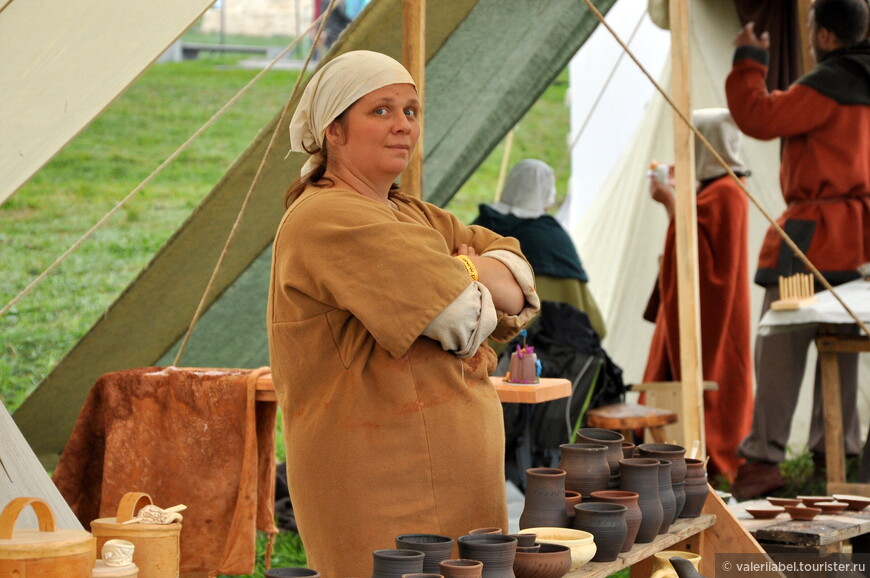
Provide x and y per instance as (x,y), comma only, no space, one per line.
(386,433)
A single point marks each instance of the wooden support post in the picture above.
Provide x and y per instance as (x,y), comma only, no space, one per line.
(807,60)
(686,224)
(414,58)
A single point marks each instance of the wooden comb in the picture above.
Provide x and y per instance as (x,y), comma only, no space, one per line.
(794,292)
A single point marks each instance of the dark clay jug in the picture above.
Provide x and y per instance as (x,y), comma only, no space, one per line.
(612,440)
(680,497)
(394,563)
(606,522)
(676,454)
(586,467)
(666,495)
(633,515)
(496,551)
(641,475)
(696,495)
(434,547)
(545,499)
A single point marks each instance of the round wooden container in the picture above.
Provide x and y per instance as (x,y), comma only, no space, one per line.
(102,570)
(158,549)
(46,552)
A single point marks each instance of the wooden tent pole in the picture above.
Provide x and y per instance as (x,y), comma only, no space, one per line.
(505,159)
(414,58)
(686,225)
(807,60)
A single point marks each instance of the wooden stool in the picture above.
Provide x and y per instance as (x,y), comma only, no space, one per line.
(626,417)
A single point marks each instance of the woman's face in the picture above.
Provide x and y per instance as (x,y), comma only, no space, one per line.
(376,136)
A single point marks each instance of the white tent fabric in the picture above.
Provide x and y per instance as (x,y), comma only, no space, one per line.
(621,235)
(58,75)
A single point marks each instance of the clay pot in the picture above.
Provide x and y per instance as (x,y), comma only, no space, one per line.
(695,468)
(394,563)
(489,530)
(696,495)
(585,466)
(628,450)
(607,523)
(434,547)
(285,572)
(535,548)
(459,568)
(545,499)
(672,452)
(641,475)
(633,514)
(496,551)
(680,497)
(582,544)
(551,561)
(571,498)
(612,440)
(666,495)
(524,540)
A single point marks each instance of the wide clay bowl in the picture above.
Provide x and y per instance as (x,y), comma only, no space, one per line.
(765,513)
(802,512)
(582,543)
(831,507)
(551,561)
(784,502)
(811,501)
(287,572)
(854,503)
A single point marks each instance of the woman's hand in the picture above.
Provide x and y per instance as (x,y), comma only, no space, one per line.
(507,295)
(663,193)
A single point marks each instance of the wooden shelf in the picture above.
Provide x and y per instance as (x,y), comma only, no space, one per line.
(549,389)
(682,529)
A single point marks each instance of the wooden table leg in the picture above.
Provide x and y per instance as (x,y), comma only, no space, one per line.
(835,459)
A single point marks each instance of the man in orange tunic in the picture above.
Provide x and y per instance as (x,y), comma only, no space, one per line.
(824,120)
(723,278)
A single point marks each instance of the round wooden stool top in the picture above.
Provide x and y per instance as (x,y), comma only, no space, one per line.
(622,416)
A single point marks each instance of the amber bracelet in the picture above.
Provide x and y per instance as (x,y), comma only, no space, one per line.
(469,266)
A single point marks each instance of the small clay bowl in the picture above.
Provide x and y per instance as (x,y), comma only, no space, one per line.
(853,503)
(831,507)
(811,501)
(783,502)
(765,513)
(802,512)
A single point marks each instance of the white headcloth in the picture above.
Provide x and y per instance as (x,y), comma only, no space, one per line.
(529,190)
(719,129)
(337,85)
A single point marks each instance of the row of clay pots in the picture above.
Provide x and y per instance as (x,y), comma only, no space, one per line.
(659,490)
(484,552)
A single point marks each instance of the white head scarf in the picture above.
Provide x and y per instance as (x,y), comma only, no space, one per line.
(719,128)
(337,85)
(529,190)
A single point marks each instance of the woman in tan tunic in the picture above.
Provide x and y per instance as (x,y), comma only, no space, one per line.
(379,308)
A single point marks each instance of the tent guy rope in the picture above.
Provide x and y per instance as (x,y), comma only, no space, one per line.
(800,254)
(201,307)
(89,233)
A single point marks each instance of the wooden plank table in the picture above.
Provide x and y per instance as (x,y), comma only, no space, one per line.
(824,534)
